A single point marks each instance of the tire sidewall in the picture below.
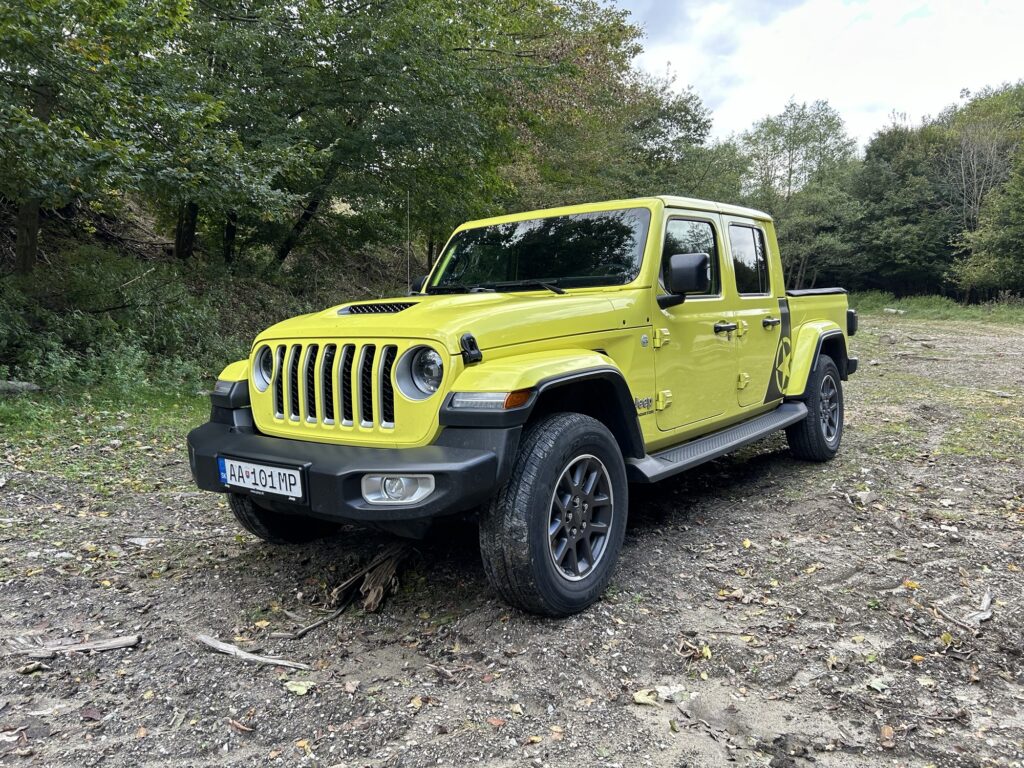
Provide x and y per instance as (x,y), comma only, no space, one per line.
(827,368)
(562,594)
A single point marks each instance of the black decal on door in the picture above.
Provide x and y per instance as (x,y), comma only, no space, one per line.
(783,359)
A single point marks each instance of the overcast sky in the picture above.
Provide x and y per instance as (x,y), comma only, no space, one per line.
(866,57)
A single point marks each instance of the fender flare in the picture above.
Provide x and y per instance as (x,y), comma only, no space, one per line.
(808,348)
(578,367)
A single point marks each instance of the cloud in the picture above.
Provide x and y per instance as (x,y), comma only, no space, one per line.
(868,58)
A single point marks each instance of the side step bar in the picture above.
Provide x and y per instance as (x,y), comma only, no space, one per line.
(669,462)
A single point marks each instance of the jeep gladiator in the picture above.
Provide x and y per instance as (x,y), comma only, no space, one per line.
(550,359)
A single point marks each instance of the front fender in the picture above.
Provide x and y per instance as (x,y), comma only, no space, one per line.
(526,371)
(236,371)
(568,379)
(806,347)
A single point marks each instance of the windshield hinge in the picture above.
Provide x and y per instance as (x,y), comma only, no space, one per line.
(470,349)
(661,337)
(742,380)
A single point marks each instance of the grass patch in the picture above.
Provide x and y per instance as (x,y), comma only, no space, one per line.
(938,308)
(131,441)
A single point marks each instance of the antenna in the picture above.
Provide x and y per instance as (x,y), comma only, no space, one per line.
(408,245)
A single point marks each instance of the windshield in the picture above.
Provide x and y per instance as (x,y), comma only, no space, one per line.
(581,249)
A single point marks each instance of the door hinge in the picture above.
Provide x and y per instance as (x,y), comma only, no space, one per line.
(663,400)
(661,337)
(742,327)
(742,381)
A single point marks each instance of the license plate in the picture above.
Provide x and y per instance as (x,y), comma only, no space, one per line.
(260,478)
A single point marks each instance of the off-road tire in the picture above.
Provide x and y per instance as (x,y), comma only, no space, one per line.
(515,541)
(810,439)
(275,527)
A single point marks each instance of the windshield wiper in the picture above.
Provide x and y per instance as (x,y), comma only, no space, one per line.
(460,289)
(550,285)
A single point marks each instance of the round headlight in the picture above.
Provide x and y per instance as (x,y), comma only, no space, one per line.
(427,370)
(419,373)
(263,369)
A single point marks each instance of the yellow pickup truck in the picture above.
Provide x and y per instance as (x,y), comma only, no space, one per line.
(550,359)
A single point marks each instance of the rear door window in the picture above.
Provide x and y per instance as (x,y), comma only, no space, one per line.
(749,259)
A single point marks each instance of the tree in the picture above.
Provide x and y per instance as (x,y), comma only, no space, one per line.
(74,117)
(788,150)
(907,231)
(995,259)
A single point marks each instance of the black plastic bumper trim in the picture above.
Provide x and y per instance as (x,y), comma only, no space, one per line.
(466,468)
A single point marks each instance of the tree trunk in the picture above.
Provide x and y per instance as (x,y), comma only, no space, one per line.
(185,231)
(430,252)
(230,232)
(308,214)
(26,244)
(309,211)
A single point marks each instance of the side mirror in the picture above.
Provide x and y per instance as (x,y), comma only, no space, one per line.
(417,285)
(686,273)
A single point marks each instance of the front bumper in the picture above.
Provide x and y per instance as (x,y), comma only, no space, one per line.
(467,464)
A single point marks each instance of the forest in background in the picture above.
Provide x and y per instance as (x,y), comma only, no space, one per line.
(177,174)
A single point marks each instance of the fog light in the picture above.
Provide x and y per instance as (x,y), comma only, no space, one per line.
(396,489)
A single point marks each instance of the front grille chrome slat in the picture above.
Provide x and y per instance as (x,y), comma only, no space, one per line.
(309,382)
(293,382)
(337,385)
(366,385)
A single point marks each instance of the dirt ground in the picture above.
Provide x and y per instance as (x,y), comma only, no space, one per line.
(764,612)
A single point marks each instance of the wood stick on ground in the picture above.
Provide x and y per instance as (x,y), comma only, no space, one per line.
(110,644)
(234,650)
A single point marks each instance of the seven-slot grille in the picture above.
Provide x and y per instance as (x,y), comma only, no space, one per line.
(350,381)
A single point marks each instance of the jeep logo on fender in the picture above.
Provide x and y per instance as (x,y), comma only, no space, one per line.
(643,404)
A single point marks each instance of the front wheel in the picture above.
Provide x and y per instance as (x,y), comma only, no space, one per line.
(551,536)
(817,437)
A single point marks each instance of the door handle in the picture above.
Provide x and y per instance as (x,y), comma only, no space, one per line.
(770,322)
(724,327)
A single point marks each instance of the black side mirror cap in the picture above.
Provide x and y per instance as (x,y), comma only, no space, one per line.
(685,273)
(417,285)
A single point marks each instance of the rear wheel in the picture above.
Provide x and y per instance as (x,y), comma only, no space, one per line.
(817,437)
(551,536)
(275,527)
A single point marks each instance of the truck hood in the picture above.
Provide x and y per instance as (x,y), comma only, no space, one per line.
(495,319)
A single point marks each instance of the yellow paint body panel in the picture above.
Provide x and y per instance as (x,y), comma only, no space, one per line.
(682,375)
(236,371)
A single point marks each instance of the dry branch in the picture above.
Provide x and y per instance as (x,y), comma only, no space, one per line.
(234,650)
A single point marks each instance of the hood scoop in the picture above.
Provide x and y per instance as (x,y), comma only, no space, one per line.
(380,308)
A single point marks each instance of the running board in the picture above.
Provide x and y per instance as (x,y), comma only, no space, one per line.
(669,462)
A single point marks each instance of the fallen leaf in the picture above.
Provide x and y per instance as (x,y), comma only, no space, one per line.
(887,737)
(946,638)
(148,695)
(351,686)
(141,733)
(417,702)
(497,722)
(812,568)
(746,543)
(534,739)
(858,638)
(32,666)
(516,709)
(911,584)
(878,684)
(917,658)
(557,732)
(262,623)
(300,687)
(647,696)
